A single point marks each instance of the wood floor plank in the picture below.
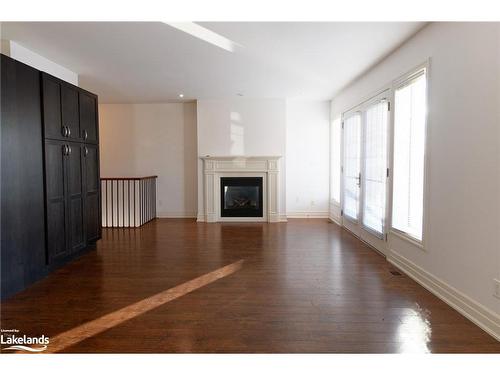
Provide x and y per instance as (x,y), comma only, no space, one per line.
(304,286)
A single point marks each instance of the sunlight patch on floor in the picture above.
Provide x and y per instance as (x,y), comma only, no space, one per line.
(96,326)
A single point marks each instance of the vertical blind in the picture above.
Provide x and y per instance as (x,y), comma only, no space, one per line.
(352,138)
(375,167)
(409,148)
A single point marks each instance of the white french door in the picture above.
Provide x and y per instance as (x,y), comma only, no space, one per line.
(364,182)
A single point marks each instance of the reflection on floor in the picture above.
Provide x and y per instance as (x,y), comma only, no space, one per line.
(178,286)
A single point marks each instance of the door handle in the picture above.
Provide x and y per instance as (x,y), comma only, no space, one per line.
(359,179)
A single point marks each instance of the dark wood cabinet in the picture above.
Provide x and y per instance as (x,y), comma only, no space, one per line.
(92,192)
(52,122)
(70,111)
(64,193)
(88,117)
(74,172)
(72,168)
(56,202)
(50,174)
(23,251)
(72,190)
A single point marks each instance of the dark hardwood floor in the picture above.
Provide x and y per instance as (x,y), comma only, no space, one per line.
(178,286)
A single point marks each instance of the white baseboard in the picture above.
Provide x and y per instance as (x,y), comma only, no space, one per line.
(307,215)
(486,319)
(176,215)
(201,218)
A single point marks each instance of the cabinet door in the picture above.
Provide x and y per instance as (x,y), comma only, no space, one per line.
(55,180)
(92,193)
(51,97)
(69,110)
(88,117)
(74,173)
(22,210)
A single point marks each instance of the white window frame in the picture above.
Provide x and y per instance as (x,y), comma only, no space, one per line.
(398,83)
(384,94)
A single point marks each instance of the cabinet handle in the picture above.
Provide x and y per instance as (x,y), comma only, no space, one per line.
(69,150)
(69,131)
(64,149)
(64,131)
(86,151)
(85,134)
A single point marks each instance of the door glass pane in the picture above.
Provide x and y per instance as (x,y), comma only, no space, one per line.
(352,142)
(375,167)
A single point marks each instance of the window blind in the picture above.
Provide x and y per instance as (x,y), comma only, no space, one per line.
(352,131)
(375,167)
(409,149)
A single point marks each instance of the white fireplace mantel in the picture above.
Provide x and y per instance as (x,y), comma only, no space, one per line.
(215,167)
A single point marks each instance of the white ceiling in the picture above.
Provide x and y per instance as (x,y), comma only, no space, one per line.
(130,62)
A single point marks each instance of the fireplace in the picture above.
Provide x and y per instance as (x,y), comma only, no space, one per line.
(260,173)
(241,197)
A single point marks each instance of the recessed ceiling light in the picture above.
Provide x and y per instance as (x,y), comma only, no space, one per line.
(205,34)
(181,95)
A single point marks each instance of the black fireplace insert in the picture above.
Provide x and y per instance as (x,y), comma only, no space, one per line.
(241,196)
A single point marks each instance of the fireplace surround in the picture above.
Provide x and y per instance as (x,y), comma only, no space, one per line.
(261,172)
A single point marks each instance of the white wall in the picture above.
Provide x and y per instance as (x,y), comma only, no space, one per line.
(20,53)
(307,153)
(242,127)
(462,245)
(153,139)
